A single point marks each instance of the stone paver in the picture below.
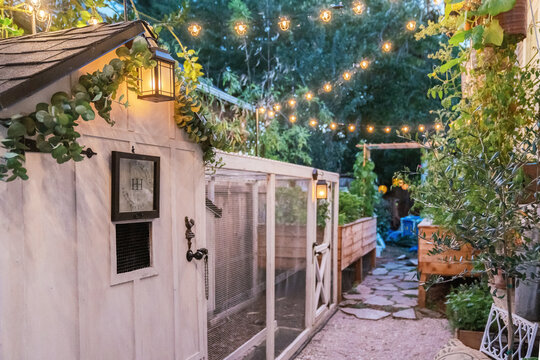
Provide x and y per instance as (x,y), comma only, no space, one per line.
(366,314)
(378,301)
(407,285)
(412,292)
(380,271)
(403,301)
(408,314)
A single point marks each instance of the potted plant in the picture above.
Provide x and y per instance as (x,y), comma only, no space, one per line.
(467,309)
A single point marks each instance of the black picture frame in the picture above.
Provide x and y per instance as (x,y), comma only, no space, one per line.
(116,213)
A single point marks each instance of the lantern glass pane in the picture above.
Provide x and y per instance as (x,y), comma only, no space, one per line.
(147,81)
(322,191)
(166,78)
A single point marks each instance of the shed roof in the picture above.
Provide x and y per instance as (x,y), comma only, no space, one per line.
(30,63)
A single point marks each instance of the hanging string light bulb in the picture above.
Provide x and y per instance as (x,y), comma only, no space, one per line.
(292,102)
(194,29)
(262,110)
(292,118)
(411,25)
(358,7)
(271,114)
(386,46)
(241,28)
(308,96)
(405,129)
(284,23)
(277,107)
(387,129)
(93,21)
(421,128)
(333,125)
(313,122)
(327,87)
(370,129)
(351,127)
(325,15)
(42,15)
(346,76)
(364,64)
(438,127)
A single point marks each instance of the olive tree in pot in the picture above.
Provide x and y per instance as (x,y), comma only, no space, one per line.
(475,173)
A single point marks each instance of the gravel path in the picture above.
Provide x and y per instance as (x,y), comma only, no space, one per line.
(347,337)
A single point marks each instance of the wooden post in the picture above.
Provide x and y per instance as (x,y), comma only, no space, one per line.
(270,264)
(421,290)
(311,239)
(373,258)
(358,265)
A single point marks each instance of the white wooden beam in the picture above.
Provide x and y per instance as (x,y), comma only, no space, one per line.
(270,264)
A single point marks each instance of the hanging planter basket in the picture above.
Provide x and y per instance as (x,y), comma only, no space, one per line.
(514,22)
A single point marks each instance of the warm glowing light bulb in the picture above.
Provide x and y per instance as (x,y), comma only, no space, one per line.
(438,127)
(284,23)
(333,125)
(292,118)
(277,107)
(358,7)
(313,122)
(29,8)
(405,128)
(405,186)
(93,21)
(411,25)
(241,28)
(195,29)
(364,64)
(421,128)
(352,127)
(262,110)
(327,87)
(309,96)
(292,103)
(325,15)
(387,46)
(271,114)
(387,129)
(383,189)
(370,128)
(347,76)
(42,15)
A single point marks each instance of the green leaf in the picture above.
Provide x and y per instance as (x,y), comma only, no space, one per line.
(16,129)
(80,109)
(10,155)
(459,37)
(63,119)
(495,7)
(139,45)
(122,51)
(59,98)
(88,115)
(59,151)
(494,33)
(445,67)
(108,70)
(477,36)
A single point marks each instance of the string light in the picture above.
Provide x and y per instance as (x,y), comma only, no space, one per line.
(405,129)
(438,127)
(313,122)
(421,128)
(387,129)
(333,125)
(325,15)
(277,107)
(386,46)
(262,110)
(358,7)
(411,25)
(93,21)
(271,114)
(352,127)
(370,128)
(284,23)
(327,87)
(309,96)
(241,28)
(292,103)
(42,15)
(364,64)
(292,118)
(194,29)
(346,76)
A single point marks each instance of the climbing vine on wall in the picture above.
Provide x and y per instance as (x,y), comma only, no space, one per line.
(53,125)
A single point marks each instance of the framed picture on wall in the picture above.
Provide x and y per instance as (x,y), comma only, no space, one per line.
(135,186)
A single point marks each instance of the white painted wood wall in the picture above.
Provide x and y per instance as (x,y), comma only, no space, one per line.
(59,295)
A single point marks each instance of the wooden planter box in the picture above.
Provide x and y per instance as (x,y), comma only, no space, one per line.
(472,339)
(356,240)
(441,264)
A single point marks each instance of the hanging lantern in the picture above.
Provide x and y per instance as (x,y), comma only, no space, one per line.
(421,128)
(370,129)
(322,190)
(277,107)
(327,87)
(405,129)
(325,15)
(292,118)
(387,129)
(194,29)
(364,64)
(333,125)
(284,23)
(352,127)
(313,122)
(386,46)
(411,25)
(347,76)
(241,28)
(157,84)
(383,189)
(292,103)
(358,7)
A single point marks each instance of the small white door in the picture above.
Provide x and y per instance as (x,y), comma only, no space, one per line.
(323,264)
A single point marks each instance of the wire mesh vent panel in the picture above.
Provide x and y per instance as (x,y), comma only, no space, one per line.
(132,246)
(237,262)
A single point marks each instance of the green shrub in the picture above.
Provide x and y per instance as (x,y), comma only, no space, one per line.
(467,306)
(349,207)
(364,186)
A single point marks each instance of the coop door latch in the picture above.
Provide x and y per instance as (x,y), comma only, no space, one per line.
(199,253)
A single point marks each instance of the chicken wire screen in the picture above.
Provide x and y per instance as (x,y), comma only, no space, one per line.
(236,216)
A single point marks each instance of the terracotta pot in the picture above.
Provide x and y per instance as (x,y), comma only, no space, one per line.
(514,22)
(472,339)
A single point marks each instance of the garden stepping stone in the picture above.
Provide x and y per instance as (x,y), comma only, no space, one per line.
(387,287)
(366,314)
(347,303)
(411,276)
(363,289)
(413,292)
(408,314)
(391,266)
(356,297)
(384,293)
(403,301)
(407,285)
(380,271)
(378,301)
